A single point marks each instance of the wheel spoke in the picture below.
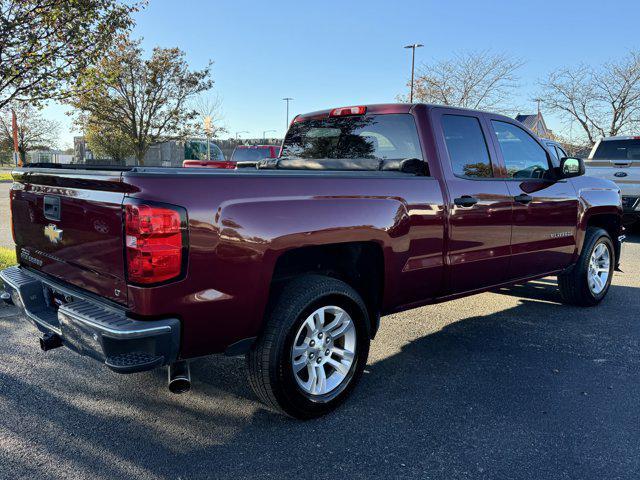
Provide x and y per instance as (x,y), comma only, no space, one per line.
(338,366)
(299,364)
(598,283)
(318,319)
(299,350)
(320,380)
(337,320)
(598,251)
(343,354)
(341,329)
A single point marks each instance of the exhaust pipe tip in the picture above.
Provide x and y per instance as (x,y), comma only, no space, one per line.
(179,377)
(49,341)
(6,297)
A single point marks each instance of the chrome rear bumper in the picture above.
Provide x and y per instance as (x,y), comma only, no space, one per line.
(90,327)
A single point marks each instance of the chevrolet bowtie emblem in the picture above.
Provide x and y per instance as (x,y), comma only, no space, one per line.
(53,233)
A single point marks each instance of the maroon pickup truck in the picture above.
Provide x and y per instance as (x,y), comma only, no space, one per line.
(368,210)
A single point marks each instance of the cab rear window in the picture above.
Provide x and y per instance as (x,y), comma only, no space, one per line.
(381,137)
(618,150)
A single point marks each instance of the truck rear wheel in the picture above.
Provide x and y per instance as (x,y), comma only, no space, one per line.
(313,349)
(589,280)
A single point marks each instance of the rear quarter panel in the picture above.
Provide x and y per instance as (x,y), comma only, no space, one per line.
(240,224)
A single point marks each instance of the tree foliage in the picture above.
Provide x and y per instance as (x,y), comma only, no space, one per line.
(106,142)
(45,44)
(34,131)
(145,100)
(603,100)
(477,80)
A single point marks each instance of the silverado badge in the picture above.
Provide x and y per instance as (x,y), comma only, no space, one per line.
(53,233)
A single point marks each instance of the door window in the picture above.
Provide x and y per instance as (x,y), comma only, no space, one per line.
(561,152)
(467,146)
(523,156)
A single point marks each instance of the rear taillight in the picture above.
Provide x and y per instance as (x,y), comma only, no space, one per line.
(154,243)
(345,111)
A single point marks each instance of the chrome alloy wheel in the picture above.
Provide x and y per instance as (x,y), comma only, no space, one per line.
(324,350)
(599,266)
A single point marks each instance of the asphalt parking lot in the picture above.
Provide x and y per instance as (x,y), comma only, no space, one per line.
(509,384)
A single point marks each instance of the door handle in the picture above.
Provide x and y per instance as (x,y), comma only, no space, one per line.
(465,201)
(523,199)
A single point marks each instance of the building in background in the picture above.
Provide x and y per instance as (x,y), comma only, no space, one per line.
(536,124)
(173,152)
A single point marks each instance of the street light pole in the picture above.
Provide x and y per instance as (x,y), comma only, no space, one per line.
(413,63)
(264,134)
(287,99)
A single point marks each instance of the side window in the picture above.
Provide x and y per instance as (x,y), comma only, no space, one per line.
(552,150)
(523,156)
(561,152)
(467,146)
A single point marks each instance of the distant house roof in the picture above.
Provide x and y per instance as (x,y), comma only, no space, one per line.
(527,120)
(535,123)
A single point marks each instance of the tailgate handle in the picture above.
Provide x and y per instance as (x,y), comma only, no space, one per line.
(52,207)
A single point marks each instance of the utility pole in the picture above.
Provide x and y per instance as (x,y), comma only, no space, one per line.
(287,99)
(207,131)
(413,64)
(264,134)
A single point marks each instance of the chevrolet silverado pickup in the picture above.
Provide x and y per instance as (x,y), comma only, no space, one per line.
(292,261)
(618,159)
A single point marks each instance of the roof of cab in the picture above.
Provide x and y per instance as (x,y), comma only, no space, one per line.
(386,108)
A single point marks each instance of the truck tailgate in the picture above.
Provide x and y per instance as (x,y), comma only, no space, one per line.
(627,176)
(69,224)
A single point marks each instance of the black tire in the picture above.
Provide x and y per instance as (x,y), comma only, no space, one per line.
(269,362)
(574,285)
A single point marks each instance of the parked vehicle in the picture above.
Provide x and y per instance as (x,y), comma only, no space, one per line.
(618,159)
(369,210)
(225,164)
(252,153)
(196,154)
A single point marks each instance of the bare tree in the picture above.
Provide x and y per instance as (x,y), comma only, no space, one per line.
(34,131)
(477,80)
(603,100)
(208,106)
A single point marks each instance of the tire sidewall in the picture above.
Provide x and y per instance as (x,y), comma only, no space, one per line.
(301,404)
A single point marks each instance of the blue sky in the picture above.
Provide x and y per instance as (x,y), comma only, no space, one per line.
(336,53)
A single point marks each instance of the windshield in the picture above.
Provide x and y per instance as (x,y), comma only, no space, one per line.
(197,150)
(249,154)
(381,137)
(618,150)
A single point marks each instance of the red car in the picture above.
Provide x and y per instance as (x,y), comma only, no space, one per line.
(248,153)
(369,210)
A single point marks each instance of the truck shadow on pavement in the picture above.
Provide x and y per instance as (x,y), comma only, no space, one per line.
(539,390)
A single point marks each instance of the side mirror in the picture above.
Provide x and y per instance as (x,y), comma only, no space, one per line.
(571,167)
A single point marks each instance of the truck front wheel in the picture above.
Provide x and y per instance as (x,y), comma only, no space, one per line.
(588,281)
(313,349)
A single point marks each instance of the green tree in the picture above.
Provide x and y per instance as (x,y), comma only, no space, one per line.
(45,44)
(106,142)
(145,100)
